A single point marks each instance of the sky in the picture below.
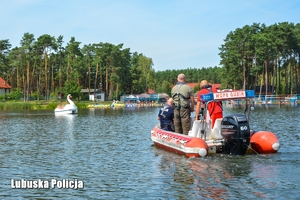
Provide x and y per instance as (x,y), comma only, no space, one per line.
(176,34)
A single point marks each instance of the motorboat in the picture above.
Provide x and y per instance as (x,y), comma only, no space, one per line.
(230,134)
(70,108)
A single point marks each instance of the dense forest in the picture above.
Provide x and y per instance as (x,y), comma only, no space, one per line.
(251,56)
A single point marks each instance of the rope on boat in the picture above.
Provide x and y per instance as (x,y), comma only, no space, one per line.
(249,146)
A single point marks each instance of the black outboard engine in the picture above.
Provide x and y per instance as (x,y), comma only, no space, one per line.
(236,132)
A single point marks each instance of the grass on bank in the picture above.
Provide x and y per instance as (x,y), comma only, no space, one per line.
(37,105)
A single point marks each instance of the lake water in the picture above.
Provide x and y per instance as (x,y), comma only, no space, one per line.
(109,152)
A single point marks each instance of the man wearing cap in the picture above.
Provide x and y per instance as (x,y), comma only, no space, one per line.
(183,101)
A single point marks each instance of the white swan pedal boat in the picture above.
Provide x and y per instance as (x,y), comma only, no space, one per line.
(230,134)
(70,108)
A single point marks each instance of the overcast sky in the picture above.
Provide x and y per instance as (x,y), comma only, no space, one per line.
(176,34)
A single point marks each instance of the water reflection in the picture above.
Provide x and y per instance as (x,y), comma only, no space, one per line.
(208,178)
(65,126)
(194,177)
(65,123)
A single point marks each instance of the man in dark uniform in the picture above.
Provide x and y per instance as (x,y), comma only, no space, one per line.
(183,100)
(166,116)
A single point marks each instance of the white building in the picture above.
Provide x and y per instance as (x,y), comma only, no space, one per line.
(98,96)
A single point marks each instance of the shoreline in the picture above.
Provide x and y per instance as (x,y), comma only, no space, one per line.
(51,105)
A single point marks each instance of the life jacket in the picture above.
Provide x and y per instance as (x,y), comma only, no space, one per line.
(179,100)
(213,104)
(165,108)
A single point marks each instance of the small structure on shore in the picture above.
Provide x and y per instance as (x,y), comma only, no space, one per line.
(144,98)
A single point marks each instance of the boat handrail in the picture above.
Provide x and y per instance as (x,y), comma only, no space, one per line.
(220,96)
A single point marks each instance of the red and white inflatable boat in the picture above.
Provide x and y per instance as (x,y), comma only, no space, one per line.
(230,135)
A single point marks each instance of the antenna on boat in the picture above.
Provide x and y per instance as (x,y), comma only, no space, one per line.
(247,110)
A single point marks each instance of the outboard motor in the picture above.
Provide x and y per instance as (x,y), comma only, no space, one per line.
(236,132)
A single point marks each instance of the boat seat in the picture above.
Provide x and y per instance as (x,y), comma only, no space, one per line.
(196,128)
(216,131)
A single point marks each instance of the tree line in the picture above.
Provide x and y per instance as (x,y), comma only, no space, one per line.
(254,55)
(263,55)
(43,67)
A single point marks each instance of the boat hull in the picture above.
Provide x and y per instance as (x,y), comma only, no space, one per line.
(179,143)
(262,142)
(70,108)
(65,111)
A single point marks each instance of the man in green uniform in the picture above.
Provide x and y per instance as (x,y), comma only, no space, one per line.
(183,101)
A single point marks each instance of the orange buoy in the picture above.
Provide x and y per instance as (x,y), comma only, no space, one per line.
(264,142)
(197,143)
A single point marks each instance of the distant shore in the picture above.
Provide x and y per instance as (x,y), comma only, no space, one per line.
(51,105)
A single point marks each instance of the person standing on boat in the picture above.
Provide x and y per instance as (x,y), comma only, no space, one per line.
(183,101)
(214,108)
(166,116)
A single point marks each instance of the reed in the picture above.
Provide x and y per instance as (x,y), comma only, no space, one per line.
(18,106)
(82,104)
(36,105)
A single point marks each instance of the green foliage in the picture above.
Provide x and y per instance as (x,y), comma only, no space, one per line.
(81,105)
(34,95)
(10,105)
(256,55)
(15,94)
(3,97)
(85,97)
(51,105)
(197,88)
(71,87)
(250,55)
(165,80)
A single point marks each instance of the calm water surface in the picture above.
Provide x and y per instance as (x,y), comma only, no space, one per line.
(111,152)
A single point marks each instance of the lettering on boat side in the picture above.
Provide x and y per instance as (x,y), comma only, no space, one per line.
(46,184)
(169,139)
(229,95)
